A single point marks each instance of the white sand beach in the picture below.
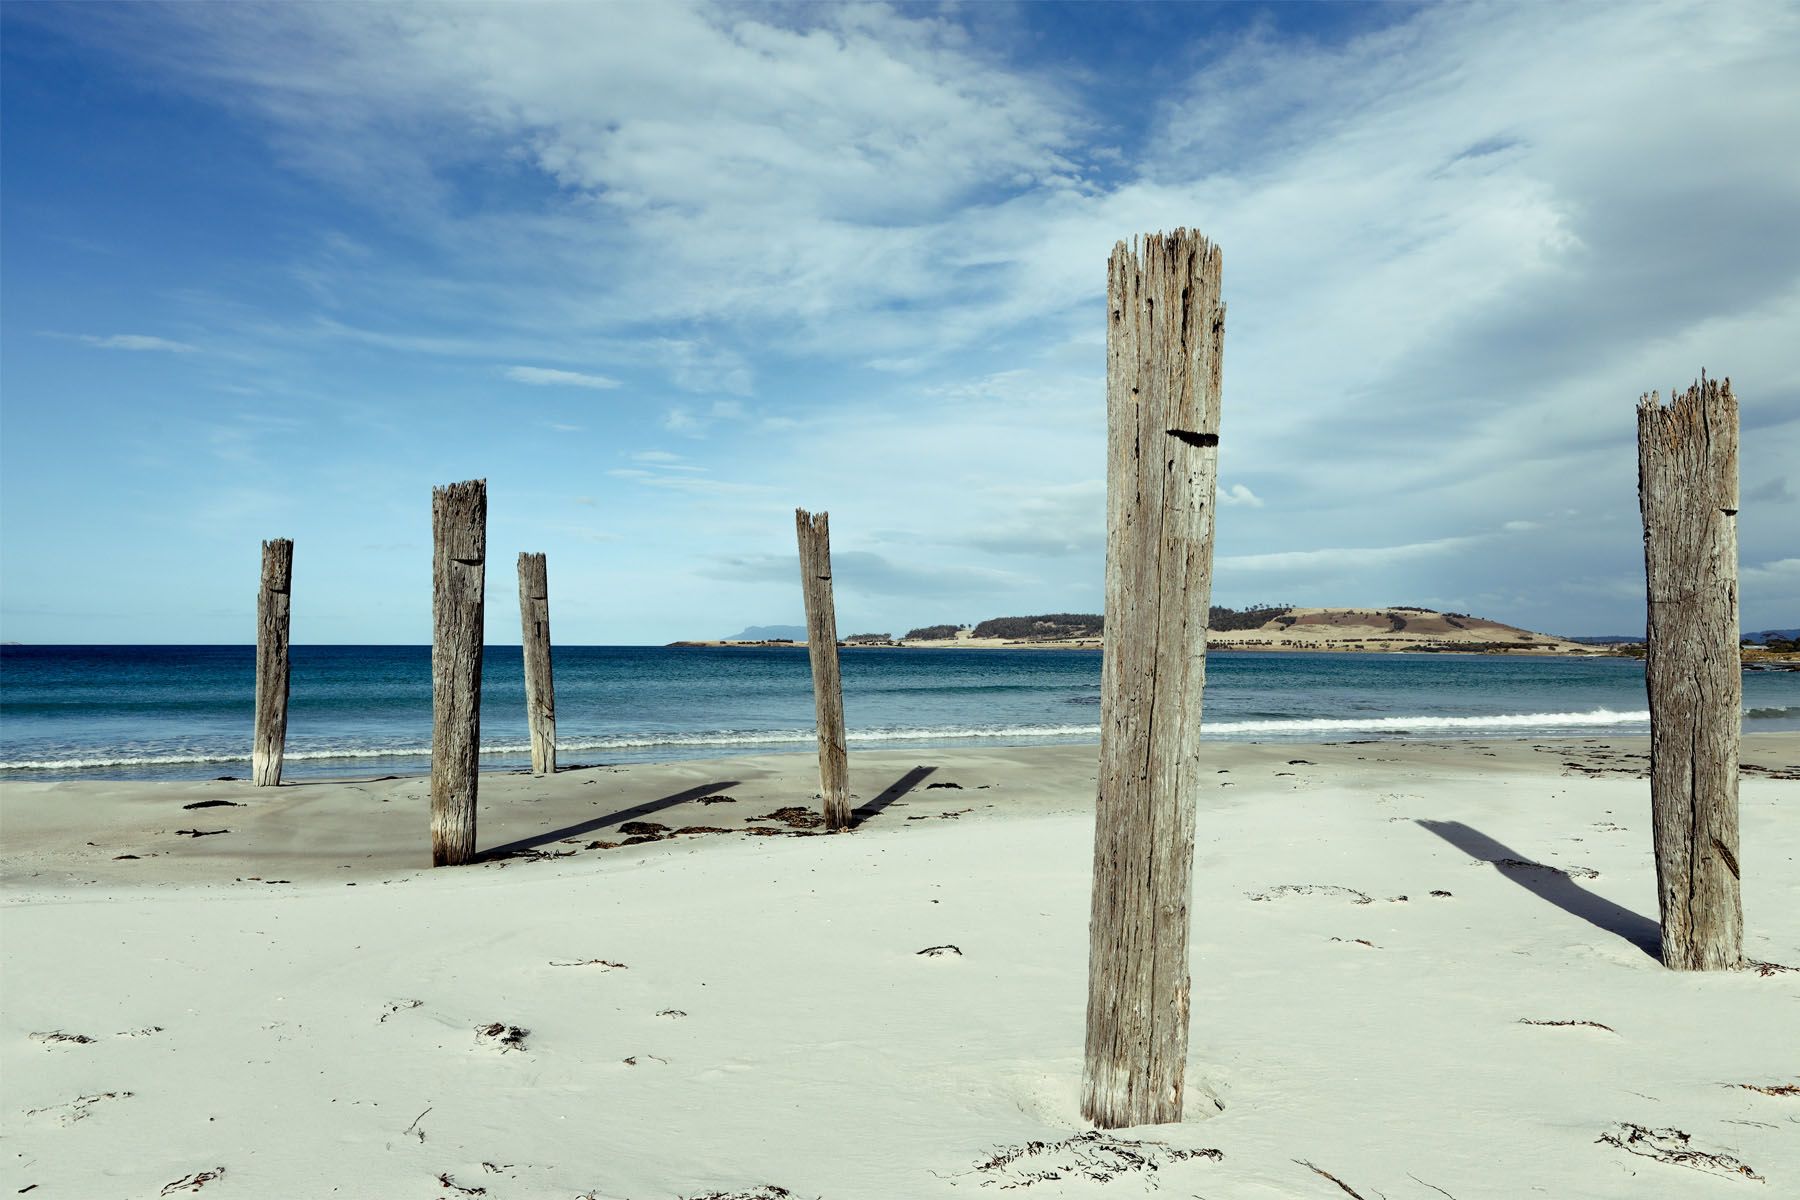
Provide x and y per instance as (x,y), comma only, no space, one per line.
(1419,970)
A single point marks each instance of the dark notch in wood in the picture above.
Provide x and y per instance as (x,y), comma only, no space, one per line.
(1194,439)
(1688,494)
(274,605)
(459,578)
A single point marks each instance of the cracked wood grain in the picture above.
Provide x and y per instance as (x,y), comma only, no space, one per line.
(1688,493)
(459,575)
(540,687)
(814,533)
(1165,337)
(273,609)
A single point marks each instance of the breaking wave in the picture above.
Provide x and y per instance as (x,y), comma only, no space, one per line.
(722,739)
(1548,721)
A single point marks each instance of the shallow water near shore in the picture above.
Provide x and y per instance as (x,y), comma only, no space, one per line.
(184,712)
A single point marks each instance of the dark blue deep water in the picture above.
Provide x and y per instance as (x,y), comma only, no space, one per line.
(183,712)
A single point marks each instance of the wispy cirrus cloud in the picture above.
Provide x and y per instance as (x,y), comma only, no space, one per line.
(1341,558)
(867,243)
(130,341)
(552,377)
(871,574)
(1238,496)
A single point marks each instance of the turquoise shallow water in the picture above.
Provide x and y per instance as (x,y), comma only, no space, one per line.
(184,712)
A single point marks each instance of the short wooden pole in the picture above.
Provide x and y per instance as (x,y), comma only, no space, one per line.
(814,533)
(459,575)
(540,688)
(1165,336)
(273,608)
(1688,491)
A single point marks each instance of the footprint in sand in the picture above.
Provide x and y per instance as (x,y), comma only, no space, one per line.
(637,1060)
(714,1074)
(398,1006)
(76,1109)
(1312,889)
(193,1182)
(506,1037)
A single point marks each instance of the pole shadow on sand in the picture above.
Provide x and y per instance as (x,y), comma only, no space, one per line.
(897,789)
(619,818)
(1553,885)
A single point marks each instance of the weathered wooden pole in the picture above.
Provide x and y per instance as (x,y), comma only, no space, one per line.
(540,689)
(1688,490)
(1164,338)
(821,647)
(273,608)
(459,574)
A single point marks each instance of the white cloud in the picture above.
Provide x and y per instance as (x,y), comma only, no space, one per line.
(134,341)
(662,460)
(1781,572)
(810,168)
(861,571)
(1341,558)
(688,483)
(1770,491)
(683,419)
(550,377)
(1455,253)
(1238,495)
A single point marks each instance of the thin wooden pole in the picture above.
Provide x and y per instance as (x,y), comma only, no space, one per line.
(814,532)
(540,688)
(273,608)
(1165,337)
(459,575)
(1688,491)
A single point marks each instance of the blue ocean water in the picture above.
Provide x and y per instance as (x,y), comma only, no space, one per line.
(184,712)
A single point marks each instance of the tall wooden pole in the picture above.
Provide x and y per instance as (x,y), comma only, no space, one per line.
(814,533)
(459,574)
(1164,339)
(540,689)
(1688,490)
(273,605)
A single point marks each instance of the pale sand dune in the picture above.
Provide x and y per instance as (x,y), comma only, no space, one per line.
(771,1020)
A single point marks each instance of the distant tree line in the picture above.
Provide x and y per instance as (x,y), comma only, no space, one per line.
(1092,625)
(1046,625)
(1254,617)
(932,633)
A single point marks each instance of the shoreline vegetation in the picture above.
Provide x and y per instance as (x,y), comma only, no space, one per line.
(1398,629)
(224,979)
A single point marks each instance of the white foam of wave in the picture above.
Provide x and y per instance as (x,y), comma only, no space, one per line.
(645,742)
(794,737)
(1571,720)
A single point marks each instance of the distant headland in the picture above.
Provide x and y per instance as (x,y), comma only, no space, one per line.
(1271,627)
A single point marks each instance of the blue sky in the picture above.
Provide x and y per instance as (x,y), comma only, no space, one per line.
(661,273)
